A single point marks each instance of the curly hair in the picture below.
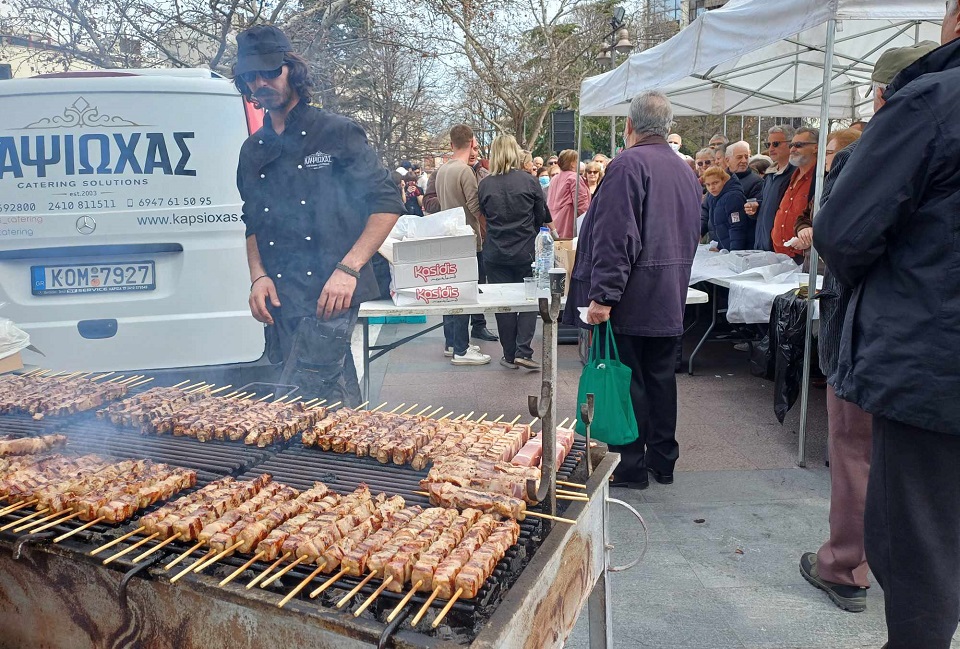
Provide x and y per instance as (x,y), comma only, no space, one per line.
(298,76)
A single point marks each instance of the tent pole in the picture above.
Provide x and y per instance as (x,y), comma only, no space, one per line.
(814,258)
(576,185)
(759,133)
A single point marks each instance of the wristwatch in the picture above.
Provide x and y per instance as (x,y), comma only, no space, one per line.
(349,271)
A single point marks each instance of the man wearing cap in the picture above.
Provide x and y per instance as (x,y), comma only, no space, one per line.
(890,233)
(839,568)
(317,205)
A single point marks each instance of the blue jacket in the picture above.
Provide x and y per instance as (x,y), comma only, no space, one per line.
(774,187)
(733,228)
(891,231)
(637,242)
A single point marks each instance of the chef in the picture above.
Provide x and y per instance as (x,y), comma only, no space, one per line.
(317,205)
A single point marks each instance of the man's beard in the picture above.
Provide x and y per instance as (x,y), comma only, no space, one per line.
(270,99)
(799,160)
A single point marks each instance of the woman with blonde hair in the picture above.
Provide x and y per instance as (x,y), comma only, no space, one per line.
(593,175)
(513,203)
(568,196)
(526,163)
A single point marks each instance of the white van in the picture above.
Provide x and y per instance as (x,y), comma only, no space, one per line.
(121,245)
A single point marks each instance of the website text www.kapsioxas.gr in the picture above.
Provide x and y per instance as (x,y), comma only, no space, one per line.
(171,220)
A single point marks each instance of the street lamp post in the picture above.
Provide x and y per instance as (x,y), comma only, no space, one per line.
(619,44)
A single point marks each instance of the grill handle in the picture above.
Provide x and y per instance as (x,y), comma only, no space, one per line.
(646,539)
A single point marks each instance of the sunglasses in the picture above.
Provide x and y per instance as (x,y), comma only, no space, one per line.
(773,145)
(800,145)
(250,77)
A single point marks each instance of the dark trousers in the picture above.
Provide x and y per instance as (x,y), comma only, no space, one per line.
(653,390)
(456,333)
(912,530)
(316,356)
(478,320)
(516,330)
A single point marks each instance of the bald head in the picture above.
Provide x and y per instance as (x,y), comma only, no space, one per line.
(738,157)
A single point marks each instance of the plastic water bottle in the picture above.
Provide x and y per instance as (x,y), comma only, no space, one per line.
(545,256)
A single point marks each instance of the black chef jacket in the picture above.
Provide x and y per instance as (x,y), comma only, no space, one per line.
(307,195)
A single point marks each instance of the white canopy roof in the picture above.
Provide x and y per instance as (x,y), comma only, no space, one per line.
(759,57)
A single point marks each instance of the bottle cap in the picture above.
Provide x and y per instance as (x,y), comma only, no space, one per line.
(544,229)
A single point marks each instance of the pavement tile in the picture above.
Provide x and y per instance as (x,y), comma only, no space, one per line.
(724,564)
(742,486)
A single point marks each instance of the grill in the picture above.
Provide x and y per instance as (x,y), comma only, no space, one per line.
(299,467)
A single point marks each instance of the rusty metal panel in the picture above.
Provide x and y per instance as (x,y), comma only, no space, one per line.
(542,607)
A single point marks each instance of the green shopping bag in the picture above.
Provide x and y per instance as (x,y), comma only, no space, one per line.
(609,381)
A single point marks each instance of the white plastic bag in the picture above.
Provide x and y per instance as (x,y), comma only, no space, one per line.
(448,223)
(12,338)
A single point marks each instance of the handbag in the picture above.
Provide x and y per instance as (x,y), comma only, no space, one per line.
(609,381)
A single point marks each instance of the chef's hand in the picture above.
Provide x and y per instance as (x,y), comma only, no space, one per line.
(805,237)
(597,313)
(337,295)
(263,289)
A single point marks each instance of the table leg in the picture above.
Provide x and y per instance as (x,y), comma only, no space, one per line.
(706,335)
(365,386)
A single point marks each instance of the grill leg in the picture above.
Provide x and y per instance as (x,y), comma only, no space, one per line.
(366,358)
(600,614)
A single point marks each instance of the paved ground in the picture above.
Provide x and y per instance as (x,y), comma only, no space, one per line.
(729,581)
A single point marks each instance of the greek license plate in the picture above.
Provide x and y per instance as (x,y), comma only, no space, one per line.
(73,279)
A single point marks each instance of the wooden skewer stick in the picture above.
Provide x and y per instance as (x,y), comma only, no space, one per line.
(325,585)
(40,521)
(83,527)
(360,407)
(13,508)
(132,379)
(467,416)
(267,397)
(434,413)
(516,419)
(376,594)
(256,580)
(252,395)
(446,609)
(356,589)
(177,577)
(133,547)
(239,571)
(572,484)
(564,422)
(183,555)
(446,416)
(559,519)
(480,418)
(231,395)
(116,541)
(139,383)
(498,419)
(307,403)
(200,387)
(397,408)
(378,407)
(180,383)
(285,570)
(577,499)
(97,378)
(564,492)
(301,585)
(404,601)
(192,386)
(116,378)
(294,400)
(410,409)
(156,548)
(334,405)
(226,387)
(426,606)
(281,399)
(25,518)
(43,528)
(32,372)
(218,556)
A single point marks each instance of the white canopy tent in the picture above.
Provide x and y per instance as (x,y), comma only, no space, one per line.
(759,57)
(766,58)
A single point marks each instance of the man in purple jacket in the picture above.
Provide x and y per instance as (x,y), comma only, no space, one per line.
(634,256)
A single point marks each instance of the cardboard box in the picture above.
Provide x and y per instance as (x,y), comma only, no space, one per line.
(429,249)
(431,273)
(465,293)
(565,253)
(11,363)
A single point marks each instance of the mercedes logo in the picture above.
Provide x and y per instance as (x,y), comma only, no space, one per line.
(86,225)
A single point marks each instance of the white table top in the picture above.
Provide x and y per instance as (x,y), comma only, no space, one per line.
(495,298)
(751,299)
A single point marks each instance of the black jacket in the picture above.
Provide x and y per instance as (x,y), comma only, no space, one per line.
(733,228)
(891,231)
(515,209)
(774,187)
(307,195)
(752,183)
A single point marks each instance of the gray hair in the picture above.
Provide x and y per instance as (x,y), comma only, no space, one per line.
(814,132)
(651,112)
(722,137)
(706,151)
(786,130)
(737,145)
(952,7)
